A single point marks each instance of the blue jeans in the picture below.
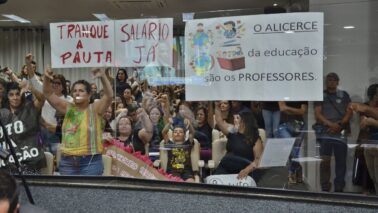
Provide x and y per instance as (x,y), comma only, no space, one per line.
(283,132)
(271,120)
(337,146)
(81,165)
(50,140)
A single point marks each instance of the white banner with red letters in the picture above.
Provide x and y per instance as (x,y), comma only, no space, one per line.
(121,43)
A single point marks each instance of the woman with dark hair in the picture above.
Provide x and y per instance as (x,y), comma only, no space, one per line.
(133,127)
(226,115)
(121,82)
(82,126)
(157,120)
(108,117)
(205,123)
(244,147)
(127,97)
(24,73)
(124,130)
(22,77)
(21,117)
(229,119)
(204,130)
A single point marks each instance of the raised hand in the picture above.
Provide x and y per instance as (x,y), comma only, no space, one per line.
(28,58)
(141,113)
(24,85)
(186,112)
(187,123)
(98,73)
(49,73)
(8,71)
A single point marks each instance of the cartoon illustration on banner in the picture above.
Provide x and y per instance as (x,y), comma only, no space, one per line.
(230,55)
(202,60)
(275,53)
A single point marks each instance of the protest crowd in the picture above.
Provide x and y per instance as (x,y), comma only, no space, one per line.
(77,124)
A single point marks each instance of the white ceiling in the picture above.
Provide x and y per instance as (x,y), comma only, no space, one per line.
(338,13)
(43,12)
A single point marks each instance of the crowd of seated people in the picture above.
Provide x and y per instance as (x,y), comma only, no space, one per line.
(141,116)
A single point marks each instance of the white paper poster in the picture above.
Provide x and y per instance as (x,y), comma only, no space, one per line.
(120,43)
(260,57)
(276,152)
(140,42)
(82,44)
(231,180)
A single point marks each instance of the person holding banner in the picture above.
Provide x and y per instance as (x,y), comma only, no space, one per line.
(244,147)
(82,130)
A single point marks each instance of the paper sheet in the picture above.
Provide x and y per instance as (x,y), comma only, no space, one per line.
(276,152)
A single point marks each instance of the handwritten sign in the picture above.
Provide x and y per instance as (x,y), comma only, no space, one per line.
(140,42)
(126,165)
(126,43)
(82,44)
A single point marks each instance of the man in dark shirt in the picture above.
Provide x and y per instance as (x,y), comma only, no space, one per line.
(291,125)
(334,114)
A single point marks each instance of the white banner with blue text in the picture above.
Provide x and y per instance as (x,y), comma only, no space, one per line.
(260,57)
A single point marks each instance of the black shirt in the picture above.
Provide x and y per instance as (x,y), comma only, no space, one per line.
(236,145)
(286,117)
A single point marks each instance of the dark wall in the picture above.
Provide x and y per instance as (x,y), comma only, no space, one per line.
(115,195)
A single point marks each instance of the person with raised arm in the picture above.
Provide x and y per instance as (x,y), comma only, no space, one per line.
(179,161)
(21,119)
(51,121)
(82,130)
(244,147)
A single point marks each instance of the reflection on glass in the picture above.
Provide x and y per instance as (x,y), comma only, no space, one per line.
(146,125)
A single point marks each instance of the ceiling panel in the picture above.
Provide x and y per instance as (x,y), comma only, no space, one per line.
(42,12)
